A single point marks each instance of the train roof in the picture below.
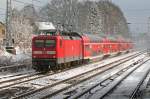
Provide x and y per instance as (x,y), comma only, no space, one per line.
(100,36)
(93,37)
(63,33)
(112,38)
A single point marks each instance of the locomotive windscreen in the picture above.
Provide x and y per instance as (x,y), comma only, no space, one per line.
(39,43)
(50,43)
(44,43)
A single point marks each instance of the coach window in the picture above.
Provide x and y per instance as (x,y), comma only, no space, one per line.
(108,46)
(105,46)
(102,46)
(111,46)
(87,47)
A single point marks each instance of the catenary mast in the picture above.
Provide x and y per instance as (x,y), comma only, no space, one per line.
(8,24)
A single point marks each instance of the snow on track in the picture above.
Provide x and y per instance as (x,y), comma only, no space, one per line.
(127,86)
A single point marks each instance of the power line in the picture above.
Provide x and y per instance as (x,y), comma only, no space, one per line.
(26,3)
(2,9)
(2,14)
(137,9)
(138,23)
(148,25)
(37,1)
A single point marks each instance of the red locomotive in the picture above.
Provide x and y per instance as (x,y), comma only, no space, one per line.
(56,50)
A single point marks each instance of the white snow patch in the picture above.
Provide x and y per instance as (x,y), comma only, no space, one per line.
(9,59)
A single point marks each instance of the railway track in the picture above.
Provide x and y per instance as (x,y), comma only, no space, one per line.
(107,85)
(40,92)
(7,77)
(5,68)
(142,91)
(17,79)
(14,67)
(133,91)
(57,95)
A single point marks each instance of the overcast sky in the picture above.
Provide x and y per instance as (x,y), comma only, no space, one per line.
(136,12)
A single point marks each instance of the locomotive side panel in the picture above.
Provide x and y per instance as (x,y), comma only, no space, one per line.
(69,49)
(72,50)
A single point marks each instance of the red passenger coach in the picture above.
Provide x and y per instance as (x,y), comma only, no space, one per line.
(92,46)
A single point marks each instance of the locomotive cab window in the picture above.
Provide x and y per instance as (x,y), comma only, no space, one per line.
(39,43)
(50,43)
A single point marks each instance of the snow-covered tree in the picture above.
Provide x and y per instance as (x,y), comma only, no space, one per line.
(86,16)
(22,30)
(80,16)
(64,12)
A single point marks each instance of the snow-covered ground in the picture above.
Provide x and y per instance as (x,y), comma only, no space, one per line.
(9,59)
(97,79)
(128,85)
(48,80)
(72,72)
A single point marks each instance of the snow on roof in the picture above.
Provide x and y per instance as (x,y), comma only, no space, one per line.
(45,25)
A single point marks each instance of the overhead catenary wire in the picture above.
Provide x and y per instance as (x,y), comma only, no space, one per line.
(27,3)
(133,10)
(24,3)
(31,3)
(3,9)
(2,14)
(39,1)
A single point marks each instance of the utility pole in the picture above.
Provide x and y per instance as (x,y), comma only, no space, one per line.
(148,24)
(8,24)
(148,34)
(9,39)
(33,17)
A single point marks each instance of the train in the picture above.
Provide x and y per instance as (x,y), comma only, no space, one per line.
(56,50)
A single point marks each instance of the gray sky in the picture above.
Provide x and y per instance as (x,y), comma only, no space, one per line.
(136,12)
(18,5)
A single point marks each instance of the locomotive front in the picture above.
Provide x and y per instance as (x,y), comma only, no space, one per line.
(44,52)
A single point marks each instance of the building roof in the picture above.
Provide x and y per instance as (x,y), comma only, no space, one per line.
(45,26)
(2,23)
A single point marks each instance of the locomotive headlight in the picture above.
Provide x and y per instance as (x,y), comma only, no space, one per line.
(51,52)
(37,52)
